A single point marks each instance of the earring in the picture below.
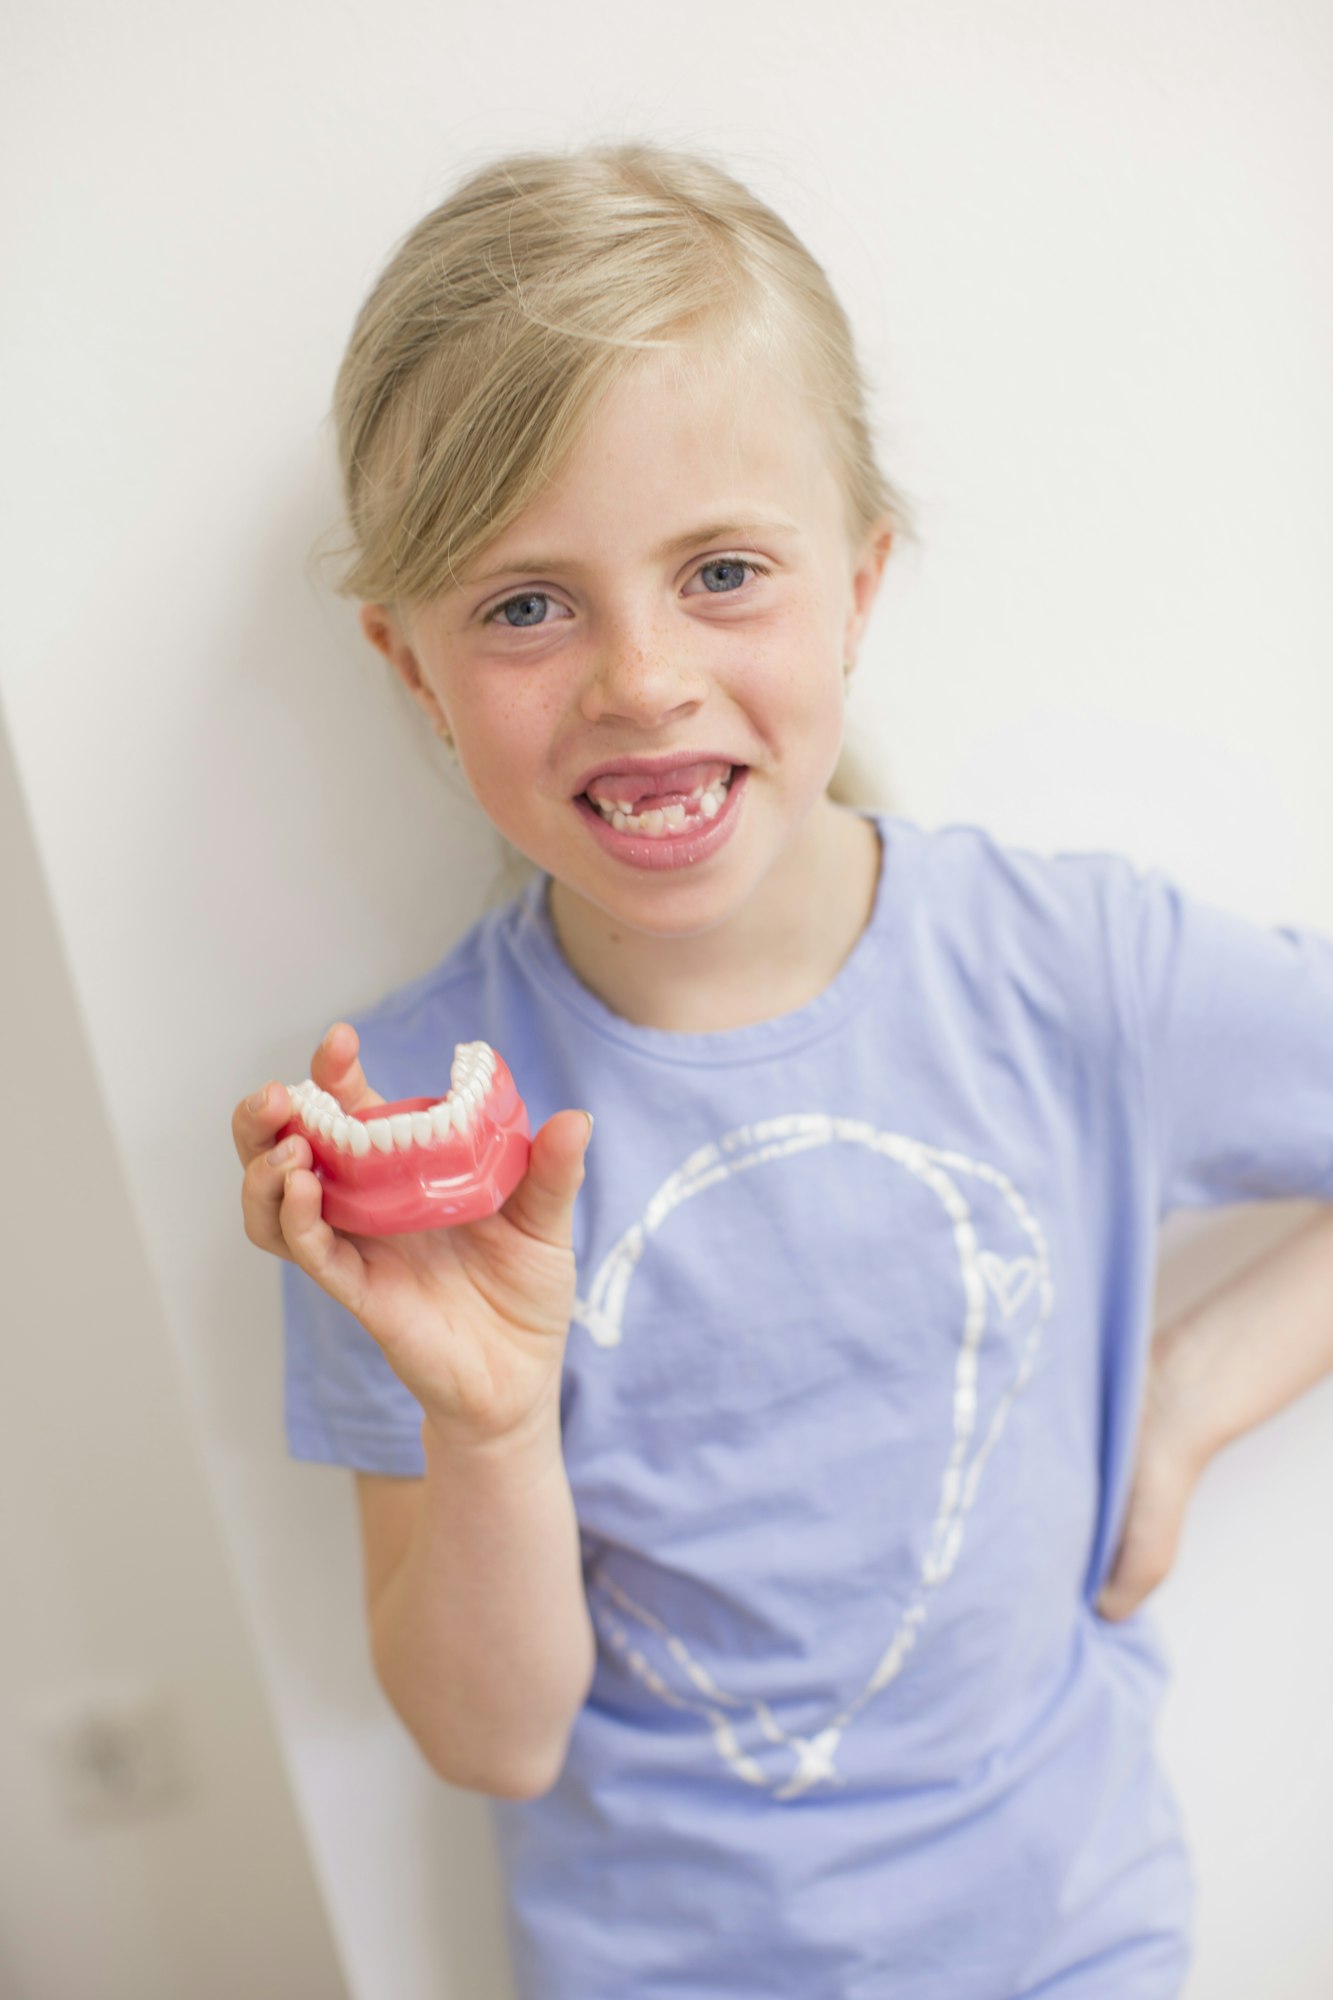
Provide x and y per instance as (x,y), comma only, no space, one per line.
(448,743)
(847,670)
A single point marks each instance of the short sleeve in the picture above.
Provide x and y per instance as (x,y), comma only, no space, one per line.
(343,1404)
(1233,1021)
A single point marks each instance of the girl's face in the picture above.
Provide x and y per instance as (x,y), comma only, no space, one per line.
(685,585)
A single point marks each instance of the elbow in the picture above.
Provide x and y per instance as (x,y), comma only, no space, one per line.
(493,1779)
(546,1782)
(531,1779)
(538,1781)
(492,1785)
(536,1784)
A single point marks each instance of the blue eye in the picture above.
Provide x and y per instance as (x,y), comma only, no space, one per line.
(729,562)
(530,598)
(524,597)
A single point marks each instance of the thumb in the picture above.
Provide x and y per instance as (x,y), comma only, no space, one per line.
(542,1204)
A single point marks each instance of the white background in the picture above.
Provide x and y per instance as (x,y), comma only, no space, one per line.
(1088,256)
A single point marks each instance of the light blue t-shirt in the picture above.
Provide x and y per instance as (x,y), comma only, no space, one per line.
(850,1402)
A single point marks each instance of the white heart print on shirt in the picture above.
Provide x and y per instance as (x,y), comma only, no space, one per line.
(1011,1282)
(990,1282)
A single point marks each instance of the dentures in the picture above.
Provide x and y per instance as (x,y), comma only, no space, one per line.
(423,1162)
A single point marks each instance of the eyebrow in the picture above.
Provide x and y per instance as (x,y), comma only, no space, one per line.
(711,531)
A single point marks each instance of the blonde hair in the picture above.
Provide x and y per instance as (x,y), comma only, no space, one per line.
(503,316)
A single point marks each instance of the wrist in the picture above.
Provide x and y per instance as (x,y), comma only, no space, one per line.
(531,1447)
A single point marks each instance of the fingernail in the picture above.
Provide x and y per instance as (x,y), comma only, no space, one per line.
(282,1152)
(588,1116)
(258,1101)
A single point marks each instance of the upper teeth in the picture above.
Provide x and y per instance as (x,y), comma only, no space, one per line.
(621,812)
(471,1075)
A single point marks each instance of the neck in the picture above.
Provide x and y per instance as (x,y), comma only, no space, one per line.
(776,953)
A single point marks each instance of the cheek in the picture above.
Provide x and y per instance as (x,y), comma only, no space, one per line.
(815,687)
(509,754)
(502,727)
(823,722)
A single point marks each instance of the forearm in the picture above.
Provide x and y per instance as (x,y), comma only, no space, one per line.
(482,1639)
(1257,1342)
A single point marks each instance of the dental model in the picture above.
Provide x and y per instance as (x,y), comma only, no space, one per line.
(423,1162)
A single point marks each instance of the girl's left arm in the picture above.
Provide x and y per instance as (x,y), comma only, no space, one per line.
(1243,1352)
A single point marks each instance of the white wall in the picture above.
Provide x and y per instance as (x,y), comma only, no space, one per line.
(114,1578)
(1088,255)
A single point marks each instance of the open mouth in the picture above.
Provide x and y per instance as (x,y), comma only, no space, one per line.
(693,801)
(665,830)
(422,1162)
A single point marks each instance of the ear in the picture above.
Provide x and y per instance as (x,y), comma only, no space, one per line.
(867,574)
(384,627)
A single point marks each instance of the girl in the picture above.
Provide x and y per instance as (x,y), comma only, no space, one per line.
(737,1498)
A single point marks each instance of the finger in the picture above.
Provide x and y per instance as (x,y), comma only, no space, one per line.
(256,1119)
(336,1067)
(262,1188)
(542,1204)
(333,1261)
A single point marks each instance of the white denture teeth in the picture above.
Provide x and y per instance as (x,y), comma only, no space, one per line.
(707,804)
(471,1076)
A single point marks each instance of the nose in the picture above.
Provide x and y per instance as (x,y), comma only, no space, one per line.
(645,679)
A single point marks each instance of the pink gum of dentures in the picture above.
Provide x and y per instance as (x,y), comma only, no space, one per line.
(435,1186)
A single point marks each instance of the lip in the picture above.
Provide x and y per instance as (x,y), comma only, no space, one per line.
(462,1178)
(668,850)
(652,767)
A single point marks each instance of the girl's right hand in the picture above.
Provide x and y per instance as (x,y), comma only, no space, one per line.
(473,1318)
